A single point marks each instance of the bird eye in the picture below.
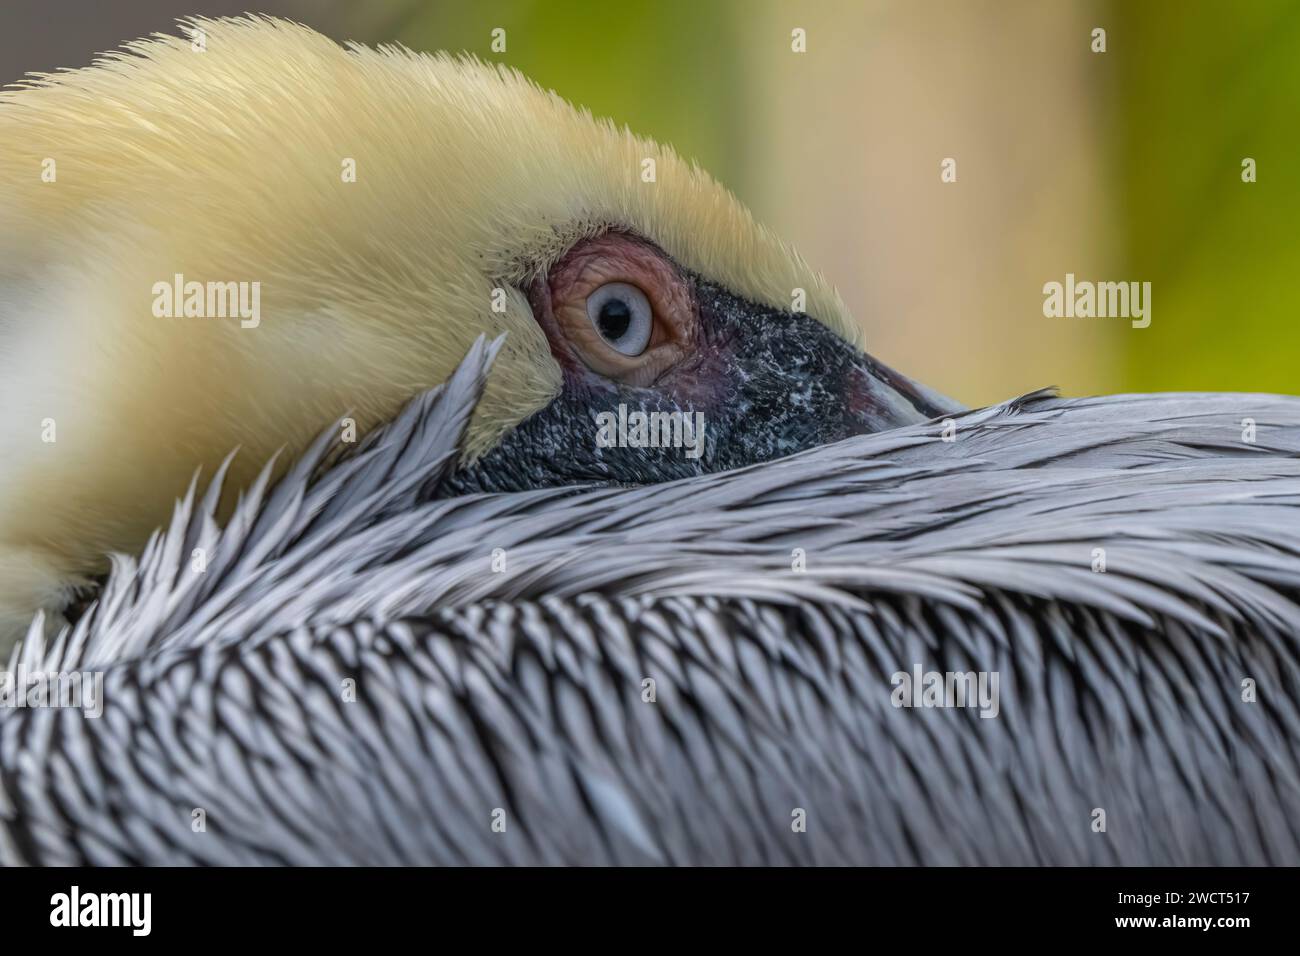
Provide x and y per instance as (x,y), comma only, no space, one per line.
(617,307)
(622,317)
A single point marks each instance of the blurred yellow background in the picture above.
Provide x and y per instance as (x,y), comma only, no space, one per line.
(1115,166)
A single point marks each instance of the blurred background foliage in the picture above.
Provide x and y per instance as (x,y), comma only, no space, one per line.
(1123,165)
(1196,94)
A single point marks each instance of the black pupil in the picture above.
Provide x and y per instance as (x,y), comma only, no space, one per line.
(615,317)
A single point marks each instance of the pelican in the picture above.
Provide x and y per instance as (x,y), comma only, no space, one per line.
(863,626)
(225,240)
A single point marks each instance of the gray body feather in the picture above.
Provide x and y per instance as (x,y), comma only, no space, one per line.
(350,681)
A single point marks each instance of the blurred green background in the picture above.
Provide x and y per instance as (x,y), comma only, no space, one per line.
(1122,165)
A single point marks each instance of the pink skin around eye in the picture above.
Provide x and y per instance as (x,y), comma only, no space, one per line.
(559,305)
